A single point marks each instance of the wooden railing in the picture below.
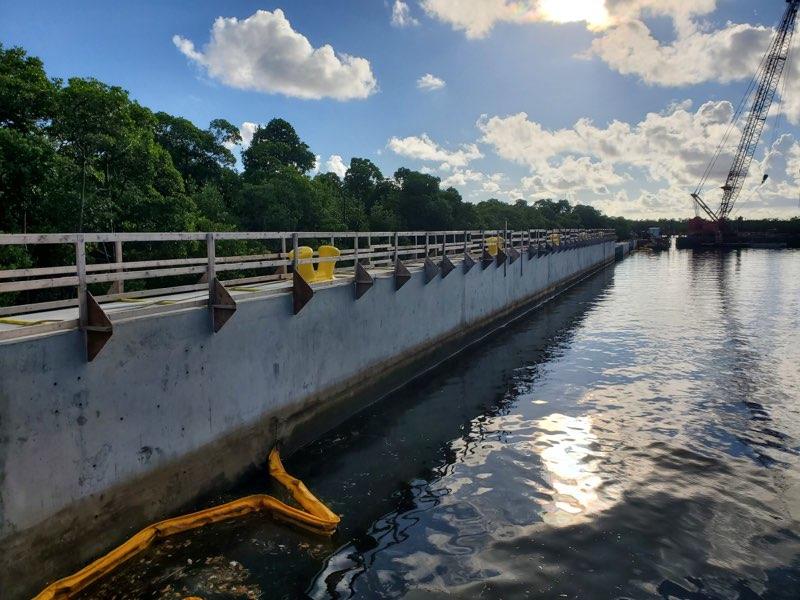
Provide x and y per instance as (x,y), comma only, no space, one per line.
(22,288)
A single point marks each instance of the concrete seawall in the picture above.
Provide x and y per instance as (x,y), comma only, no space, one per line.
(91,452)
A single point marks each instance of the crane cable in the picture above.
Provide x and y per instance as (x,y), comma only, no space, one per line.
(736,116)
(776,129)
(776,126)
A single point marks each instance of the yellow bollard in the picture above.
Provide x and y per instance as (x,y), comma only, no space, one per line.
(325,269)
(493,244)
(305,270)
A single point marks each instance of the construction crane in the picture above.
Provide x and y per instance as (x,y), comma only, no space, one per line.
(764,86)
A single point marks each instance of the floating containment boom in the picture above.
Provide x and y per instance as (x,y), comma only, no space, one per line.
(314,517)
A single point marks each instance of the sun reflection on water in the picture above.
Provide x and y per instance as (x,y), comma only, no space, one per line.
(564,445)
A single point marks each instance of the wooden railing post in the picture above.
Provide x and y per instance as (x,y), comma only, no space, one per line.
(282,270)
(80,264)
(211,268)
(119,285)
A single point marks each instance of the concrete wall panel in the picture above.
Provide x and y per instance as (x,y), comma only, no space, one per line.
(75,437)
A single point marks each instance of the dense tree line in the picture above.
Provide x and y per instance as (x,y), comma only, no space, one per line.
(80,155)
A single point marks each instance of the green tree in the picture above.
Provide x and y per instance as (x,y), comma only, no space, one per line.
(287,201)
(361,181)
(27,99)
(116,175)
(275,147)
(201,156)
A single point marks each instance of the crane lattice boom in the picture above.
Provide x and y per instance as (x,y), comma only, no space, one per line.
(768,80)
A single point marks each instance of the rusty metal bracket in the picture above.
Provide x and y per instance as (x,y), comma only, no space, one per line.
(431,270)
(468,263)
(487,259)
(363,281)
(98,328)
(446,266)
(301,292)
(401,274)
(513,255)
(501,257)
(222,305)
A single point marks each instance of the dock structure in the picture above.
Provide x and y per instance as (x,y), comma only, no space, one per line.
(131,385)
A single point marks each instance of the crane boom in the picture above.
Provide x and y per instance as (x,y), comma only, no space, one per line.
(768,80)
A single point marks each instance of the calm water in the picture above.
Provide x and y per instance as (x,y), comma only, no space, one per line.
(637,438)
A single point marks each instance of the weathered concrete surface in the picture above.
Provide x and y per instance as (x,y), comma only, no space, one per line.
(91,452)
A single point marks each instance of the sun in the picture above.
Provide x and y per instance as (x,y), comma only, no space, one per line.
(593,12)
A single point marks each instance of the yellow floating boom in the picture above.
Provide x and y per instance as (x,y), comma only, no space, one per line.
(315,517)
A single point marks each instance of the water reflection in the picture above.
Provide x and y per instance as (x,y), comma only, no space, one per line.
(564,445)
(636,439)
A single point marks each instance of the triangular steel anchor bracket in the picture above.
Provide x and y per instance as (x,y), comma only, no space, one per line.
(446,266)
(431,270)
(468,263)
(533,252)
(363,281)
(301,292)
(513,255)
(98,328)
(487,259)
(501,257)
(401,274)
(222,306)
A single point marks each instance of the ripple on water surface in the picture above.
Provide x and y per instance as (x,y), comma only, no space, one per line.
(637,438)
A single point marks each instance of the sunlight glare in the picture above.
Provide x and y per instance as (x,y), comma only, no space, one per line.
(593,12)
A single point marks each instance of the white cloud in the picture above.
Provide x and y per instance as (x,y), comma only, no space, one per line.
(625,43)
(478,18)
(673,146)
(696,56)
(574,174)
(335,164)
(247,131)
(460,178)
(264,53)
(401,15)
(425,149)
(481,16)
(430,83)
(646,168)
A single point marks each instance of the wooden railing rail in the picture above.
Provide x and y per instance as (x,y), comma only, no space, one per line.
(266,261)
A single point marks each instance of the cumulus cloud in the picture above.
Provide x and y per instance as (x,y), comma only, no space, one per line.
(423,148)
(401,15)
(672,146)
(430,83)
(624,41)
(264,53)
(482,15)
(644,168)
(247,130)
(696,56)
(460,178)
(335,164)
(574,174)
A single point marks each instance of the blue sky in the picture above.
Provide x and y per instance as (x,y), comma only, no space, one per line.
(621,112)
